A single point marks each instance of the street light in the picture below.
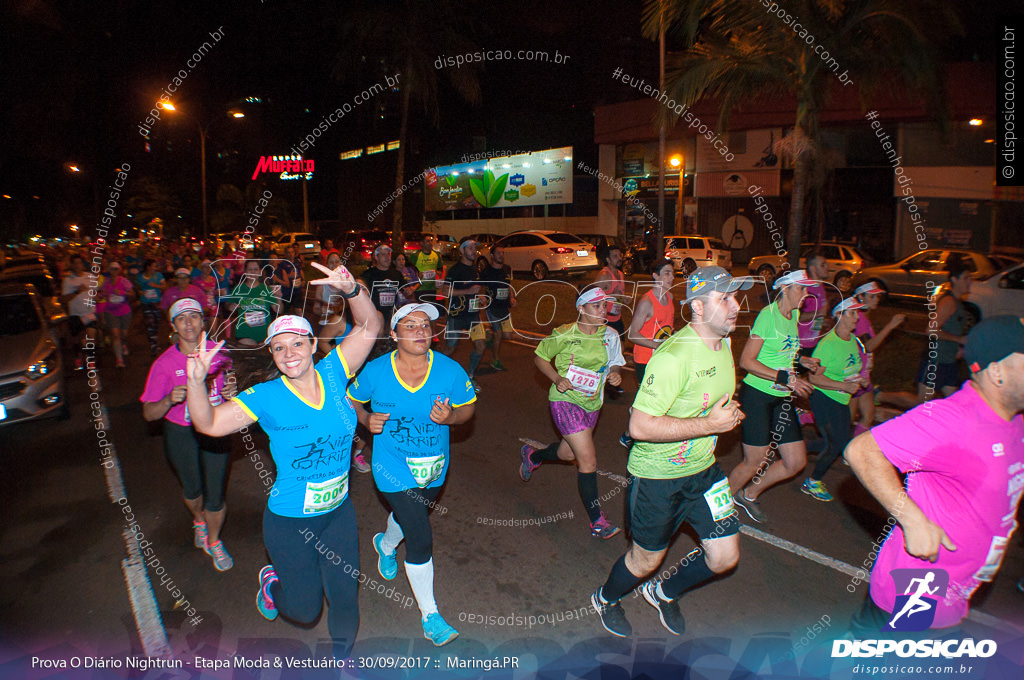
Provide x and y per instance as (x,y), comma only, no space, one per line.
(203,129)
(677,162)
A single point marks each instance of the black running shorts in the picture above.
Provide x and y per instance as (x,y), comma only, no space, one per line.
(769,418)
(658,507)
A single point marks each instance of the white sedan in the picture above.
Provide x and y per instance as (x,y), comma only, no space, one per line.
(1001,293)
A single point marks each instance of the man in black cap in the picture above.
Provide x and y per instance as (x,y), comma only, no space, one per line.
(964,460)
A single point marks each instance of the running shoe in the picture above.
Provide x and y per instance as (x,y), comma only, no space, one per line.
(1020,586)
(816,489)
(476,385)
(387,563)
(78,364)
(528,466)
(199,528)
(264,602)
(360,463)
(752,508)
(668,610)
(613,619)
(221,559)
(437,630)
(602,528)
(497,365)
(626,440)
(120,363)
(804,417)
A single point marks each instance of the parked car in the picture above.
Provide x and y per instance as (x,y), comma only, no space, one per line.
(306,245)
(542,252)
(486,239)
(841,262)
(31,367)
(609,240)
(915,276)
(47,287)
(1001,293)
(446,246)
(689,251)
(366,241)
(1003,260)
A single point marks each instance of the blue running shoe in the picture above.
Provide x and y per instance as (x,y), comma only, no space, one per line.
(437,630)
(387,564)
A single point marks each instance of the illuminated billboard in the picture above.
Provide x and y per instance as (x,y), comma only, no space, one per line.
(535,178)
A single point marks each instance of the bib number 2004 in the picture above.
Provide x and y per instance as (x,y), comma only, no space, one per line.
(325,496)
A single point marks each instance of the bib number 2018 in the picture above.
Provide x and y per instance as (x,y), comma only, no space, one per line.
(426,469)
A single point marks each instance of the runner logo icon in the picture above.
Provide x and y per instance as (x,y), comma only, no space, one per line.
(921,590)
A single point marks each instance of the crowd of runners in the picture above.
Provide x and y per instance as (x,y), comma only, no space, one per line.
(808,359)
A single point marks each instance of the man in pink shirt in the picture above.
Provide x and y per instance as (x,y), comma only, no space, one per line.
(964,459)
(813,323)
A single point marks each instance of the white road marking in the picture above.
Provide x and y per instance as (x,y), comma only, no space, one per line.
(148,622)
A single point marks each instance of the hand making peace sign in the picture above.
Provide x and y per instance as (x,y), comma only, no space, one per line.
(339,278)
(198,365)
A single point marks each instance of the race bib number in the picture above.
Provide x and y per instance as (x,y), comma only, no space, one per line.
(719,500)
(116,299)
(502,294)
(474,304)
(428,275)
(387,298)
(150,294)
(255,319)
(325,496)
(425,469)
(583,380)
(994,559)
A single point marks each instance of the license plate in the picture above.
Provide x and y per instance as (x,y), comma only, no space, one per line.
(3,412)
(582,253)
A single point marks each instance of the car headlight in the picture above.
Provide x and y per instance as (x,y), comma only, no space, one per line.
(42,367)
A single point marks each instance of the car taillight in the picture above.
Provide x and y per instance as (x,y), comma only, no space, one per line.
(709,255)
(561,250)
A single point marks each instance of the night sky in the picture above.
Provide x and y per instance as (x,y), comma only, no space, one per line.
(78,77)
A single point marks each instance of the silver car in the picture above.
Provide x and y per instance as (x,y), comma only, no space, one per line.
(542,252)
(842,262)
(31,368)
(917,275)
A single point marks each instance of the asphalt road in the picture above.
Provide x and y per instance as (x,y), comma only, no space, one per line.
(505,551)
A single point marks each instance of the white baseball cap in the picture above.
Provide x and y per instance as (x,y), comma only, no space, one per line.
(798,276)
(846,305)
(591,295)
(185,304)
(869,288)
(181,271)
(289,323)
(406,310)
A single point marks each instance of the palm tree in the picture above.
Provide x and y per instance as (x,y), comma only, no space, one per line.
(409,36)
(738,53)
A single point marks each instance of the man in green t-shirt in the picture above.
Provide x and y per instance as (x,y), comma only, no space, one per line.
(428,264)
(684,403)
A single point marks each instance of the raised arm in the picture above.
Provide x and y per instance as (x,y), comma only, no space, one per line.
(367,322)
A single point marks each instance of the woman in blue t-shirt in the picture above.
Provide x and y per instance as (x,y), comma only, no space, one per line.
(416,395)
(309,526)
